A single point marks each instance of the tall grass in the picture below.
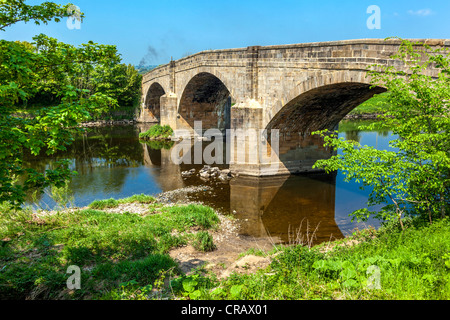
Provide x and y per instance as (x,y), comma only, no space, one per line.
(387,264)
(109,248)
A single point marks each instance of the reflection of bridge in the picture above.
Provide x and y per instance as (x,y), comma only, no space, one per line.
(286,208)
(294,88)
(266,206)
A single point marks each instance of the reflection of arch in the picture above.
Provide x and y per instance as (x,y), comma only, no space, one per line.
(207,99)
(321,107)
(151,157)
(276,205)
(306,202)
(152,101)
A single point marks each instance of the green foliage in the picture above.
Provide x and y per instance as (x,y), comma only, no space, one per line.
(157,132)
(391,264)
(62,196)
(104,204)
(414,179)
(140,198)
(193,286)
(109,248)
(123,82)
(193,215)
(13,11)
(130,290)
(51,68)
(377,105)
(203,241)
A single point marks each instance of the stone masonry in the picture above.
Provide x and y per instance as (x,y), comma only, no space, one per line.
(296,88)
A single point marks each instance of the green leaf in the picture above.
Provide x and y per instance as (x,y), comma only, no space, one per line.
(235,291)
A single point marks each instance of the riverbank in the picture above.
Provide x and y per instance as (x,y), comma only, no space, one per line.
(139,240)
(163,247)
(103,123)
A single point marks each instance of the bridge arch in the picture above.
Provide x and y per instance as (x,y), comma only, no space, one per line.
(205,98)
(317,103)
(321,101)
(152,103)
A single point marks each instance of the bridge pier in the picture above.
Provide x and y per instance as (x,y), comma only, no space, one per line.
(244,139)
(169,110)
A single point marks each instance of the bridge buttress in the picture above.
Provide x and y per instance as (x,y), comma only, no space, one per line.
(169,110)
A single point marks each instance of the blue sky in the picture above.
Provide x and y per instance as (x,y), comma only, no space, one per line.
(159,30)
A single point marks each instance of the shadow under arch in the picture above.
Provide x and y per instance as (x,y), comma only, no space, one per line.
(317,109)
(152,106)
(207,99)
(322,108)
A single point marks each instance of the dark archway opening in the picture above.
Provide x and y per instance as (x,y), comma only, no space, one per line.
(205,99)
(318,109)
(153,101)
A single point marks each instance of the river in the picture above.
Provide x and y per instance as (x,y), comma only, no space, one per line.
(111,162)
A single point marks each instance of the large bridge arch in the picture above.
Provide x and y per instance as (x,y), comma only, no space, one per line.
(320,100)
(205,98)
(316,104)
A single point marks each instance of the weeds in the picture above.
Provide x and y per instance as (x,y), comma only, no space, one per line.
(410,264)
(203,241)
(113,203)
(157,132)
(111,249)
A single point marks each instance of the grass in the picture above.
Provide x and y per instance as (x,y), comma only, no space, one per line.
(203,241)
(157,132)
(376,105)
(125,256)
(113,203)
(386,264)
(110,249)
(362,125)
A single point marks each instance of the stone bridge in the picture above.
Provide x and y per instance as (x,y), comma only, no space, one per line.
(297,89)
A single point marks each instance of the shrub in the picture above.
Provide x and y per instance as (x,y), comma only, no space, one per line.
(103,204)
(203,241)
(157,132)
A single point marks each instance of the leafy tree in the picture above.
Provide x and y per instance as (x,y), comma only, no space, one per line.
(121,81)
(415,177)
(26,71)
(13,11)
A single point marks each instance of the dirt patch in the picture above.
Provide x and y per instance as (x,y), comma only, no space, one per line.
(226,257)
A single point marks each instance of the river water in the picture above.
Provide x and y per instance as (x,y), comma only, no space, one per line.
(111,162)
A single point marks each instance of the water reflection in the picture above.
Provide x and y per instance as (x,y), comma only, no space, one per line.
(290,209)
(112,163)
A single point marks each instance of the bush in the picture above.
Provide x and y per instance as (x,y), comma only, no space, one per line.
(203,241)
(103,204)
(157,132)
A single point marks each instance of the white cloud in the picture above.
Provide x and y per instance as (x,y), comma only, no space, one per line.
(421,12)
